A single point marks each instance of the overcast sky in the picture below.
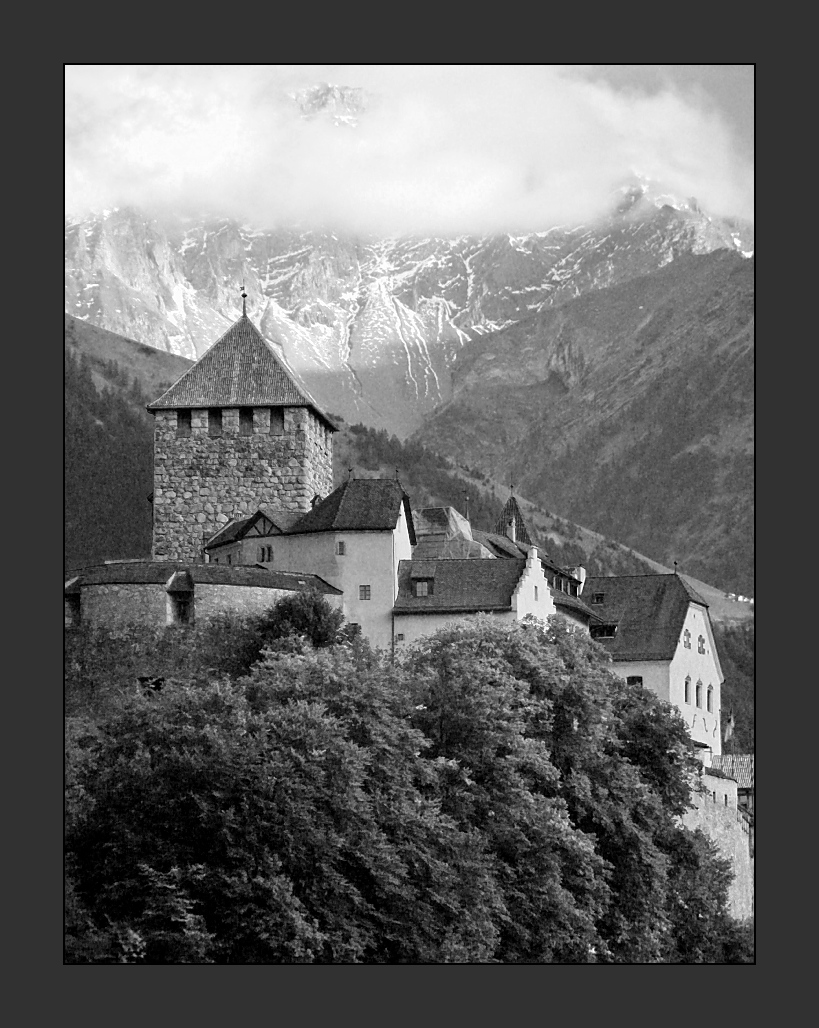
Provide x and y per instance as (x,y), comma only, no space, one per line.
(441,148)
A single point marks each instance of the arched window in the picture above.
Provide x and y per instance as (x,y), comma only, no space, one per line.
(699,693)
(687,639)
(688,688)
(701,644)
(709,698)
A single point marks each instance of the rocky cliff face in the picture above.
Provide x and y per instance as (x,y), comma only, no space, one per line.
(372,327)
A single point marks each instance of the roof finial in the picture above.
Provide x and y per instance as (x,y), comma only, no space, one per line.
(676,572)
(244,300)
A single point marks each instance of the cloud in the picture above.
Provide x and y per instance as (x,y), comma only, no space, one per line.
(441,149)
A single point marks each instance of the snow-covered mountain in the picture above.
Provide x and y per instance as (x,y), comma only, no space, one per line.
(371,325)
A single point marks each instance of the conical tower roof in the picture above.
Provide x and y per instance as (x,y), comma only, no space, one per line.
(241,369)
(511,512)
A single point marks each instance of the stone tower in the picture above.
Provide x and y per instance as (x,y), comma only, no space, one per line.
(233,434)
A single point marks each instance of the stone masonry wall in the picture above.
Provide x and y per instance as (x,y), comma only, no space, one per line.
(727,828)
(114,605)
(201,482)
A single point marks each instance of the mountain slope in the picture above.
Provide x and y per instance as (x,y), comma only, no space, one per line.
(629,410)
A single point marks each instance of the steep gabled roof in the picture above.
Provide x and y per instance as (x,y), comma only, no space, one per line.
(460,586)
(573,603)
(241,369)
(649,611)
(238,528)
(511,512)
(359,505)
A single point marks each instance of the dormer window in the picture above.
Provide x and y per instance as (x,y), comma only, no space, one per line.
(423,586)
(687,639)
(597,597)
(701,644)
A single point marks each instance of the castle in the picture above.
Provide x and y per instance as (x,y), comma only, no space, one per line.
(244,512)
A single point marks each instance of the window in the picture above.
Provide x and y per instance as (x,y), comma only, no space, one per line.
(341,548)
(183,423)
(687,688)
(265,554)
(399,637)
(73,610)
(277,420)
(245,421)
(230,559)
(699,693)
(709,698)
(364,592)
(726,799)
(701,644)
(423,587)
(602,631)
(634,680)
(180,608)
(215,421)
(535,594)
(687,639)
(597,597)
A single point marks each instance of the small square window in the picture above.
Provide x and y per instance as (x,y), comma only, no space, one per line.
(399,637)
(597,597)
(364,592)
(634,680)
(423,587)
(341,548)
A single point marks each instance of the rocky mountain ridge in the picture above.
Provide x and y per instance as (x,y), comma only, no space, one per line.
(372,327)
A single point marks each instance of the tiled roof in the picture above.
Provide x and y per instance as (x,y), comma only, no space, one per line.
(283,520)
(151,572)
(649,611)
(431,547)
(441,521)
(573,603)
(241,369)
(460,585)
(360,504)
(502,546)
(740,766)
(511,512)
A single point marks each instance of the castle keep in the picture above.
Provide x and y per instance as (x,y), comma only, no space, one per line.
(234,434)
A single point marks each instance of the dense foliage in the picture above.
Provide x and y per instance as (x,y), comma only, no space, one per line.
(108,463)
(494,795)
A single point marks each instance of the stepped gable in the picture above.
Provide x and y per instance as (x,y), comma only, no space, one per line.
(359,505)
(511,512)
(649,611)
(466,585)
(241,369)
